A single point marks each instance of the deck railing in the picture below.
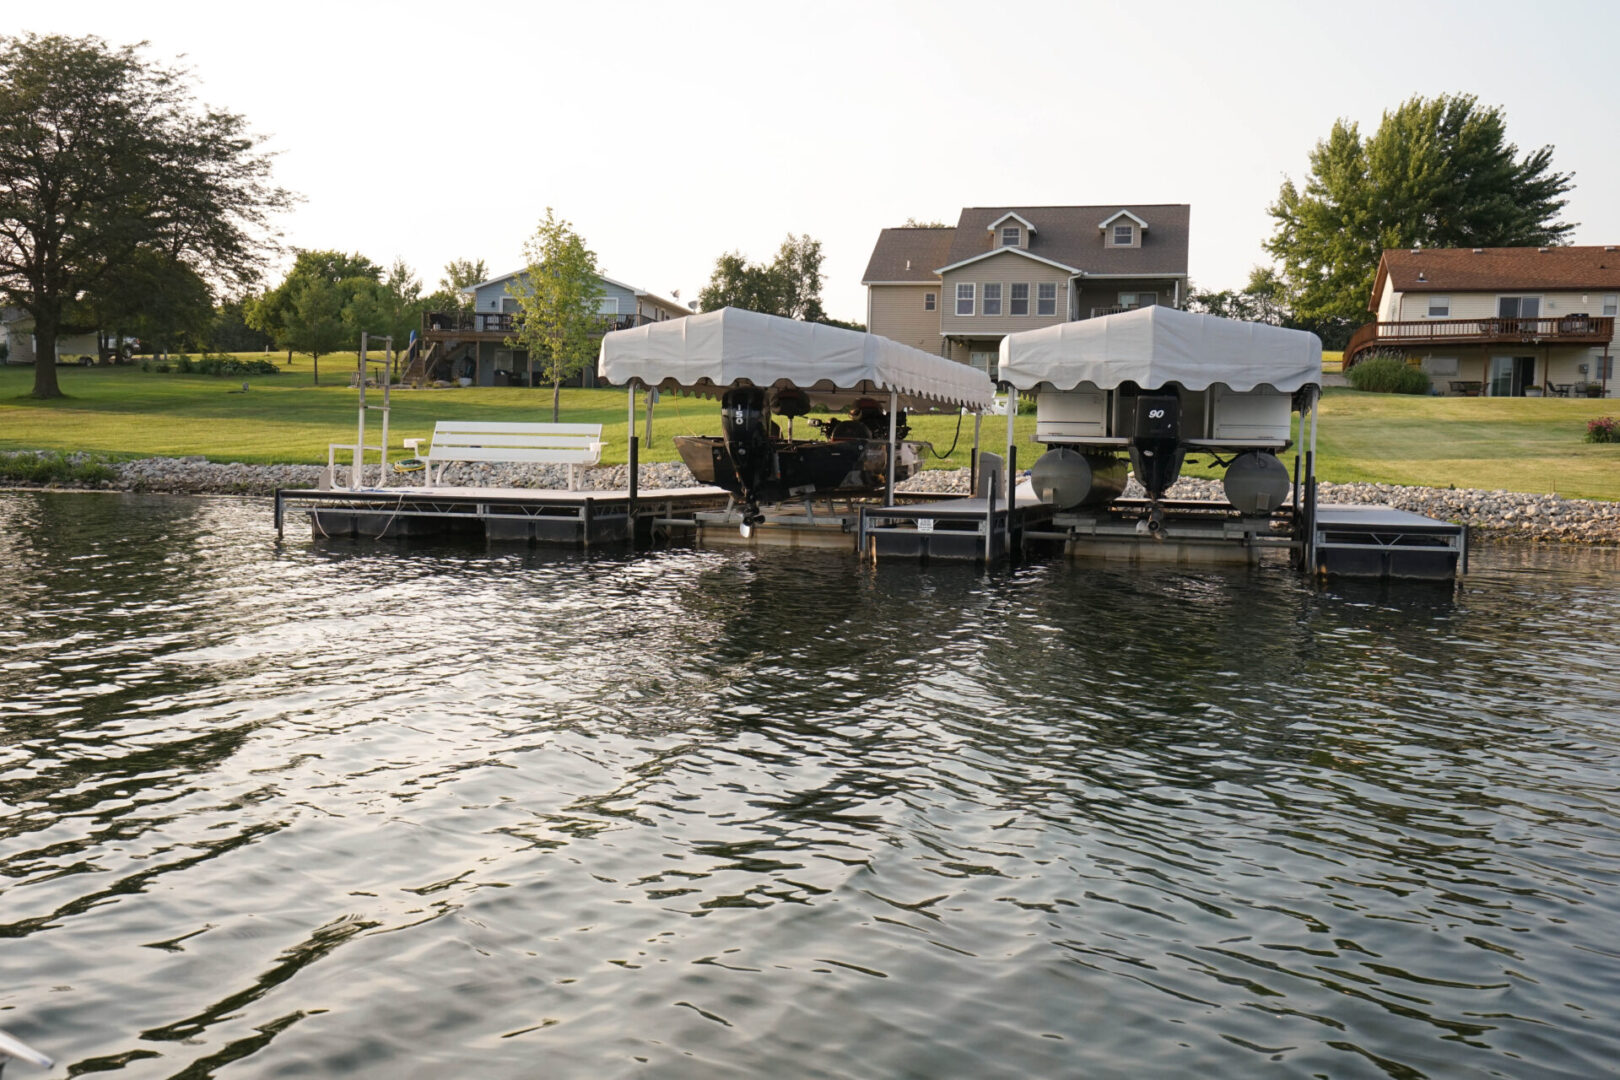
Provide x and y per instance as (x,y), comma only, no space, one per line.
(1552,330)
(504,322)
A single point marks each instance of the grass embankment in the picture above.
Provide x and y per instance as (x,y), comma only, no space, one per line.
(1517,444)
(123,412)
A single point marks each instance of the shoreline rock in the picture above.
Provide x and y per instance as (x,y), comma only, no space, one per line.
(1490,515)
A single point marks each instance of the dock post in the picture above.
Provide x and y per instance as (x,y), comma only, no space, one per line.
(973,456)
(587,520)
(894,429)
(280,511)
(635,476)
(1012,500)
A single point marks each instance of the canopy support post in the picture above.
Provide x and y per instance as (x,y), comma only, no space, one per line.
(973,458)
(1012,414)
(894,430)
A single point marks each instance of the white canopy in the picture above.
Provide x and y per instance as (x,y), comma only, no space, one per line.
(1153,346)
(705,354)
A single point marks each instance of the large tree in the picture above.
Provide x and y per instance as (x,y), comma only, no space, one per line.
(789,285)
(295,312)
(559,296)
(1437,173)
(104,155)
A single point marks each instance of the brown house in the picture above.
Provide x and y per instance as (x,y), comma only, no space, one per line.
(1001,269)
(1502,322)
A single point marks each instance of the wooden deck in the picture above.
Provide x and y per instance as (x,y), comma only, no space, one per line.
(1412,333)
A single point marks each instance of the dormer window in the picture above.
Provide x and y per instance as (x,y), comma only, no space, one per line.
(1011,236)
(1124,229)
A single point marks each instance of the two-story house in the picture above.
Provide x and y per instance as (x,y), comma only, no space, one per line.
(1503,322)
(1001,269)
(472,345)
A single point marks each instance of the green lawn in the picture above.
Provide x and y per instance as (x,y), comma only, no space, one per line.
(1518,444)
(125,412)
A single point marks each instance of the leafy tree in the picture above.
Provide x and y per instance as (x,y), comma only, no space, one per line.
(789,286)
(277,312)
(314,322)
(913,223)
(158,299)
(103,155)
(392,306)
(1437,173)
(230,331)
(462,274)
(559,296)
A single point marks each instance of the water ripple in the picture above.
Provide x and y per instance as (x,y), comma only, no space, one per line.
(378,810)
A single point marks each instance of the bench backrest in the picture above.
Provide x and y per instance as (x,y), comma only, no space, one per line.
(458,440)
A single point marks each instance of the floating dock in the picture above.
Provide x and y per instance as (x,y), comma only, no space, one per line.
(978,529)
(584,519)
(1383,542)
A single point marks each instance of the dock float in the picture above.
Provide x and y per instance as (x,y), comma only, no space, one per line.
(540,515)
(1383,542)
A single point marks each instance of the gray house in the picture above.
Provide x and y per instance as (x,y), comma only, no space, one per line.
(472,345)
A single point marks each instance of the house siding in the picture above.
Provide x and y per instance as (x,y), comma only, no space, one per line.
(1482,305)
(897,313)
(1006,269)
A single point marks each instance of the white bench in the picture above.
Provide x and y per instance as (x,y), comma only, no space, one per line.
(539,444)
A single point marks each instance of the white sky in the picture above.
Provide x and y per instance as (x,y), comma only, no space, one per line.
(668,135)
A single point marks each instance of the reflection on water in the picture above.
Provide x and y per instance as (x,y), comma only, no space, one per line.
(382,811)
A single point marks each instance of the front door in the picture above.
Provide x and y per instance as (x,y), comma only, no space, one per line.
(1511,374)
(986,362)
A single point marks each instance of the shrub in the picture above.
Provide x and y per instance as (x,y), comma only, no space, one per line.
(1388,373)
(26,467)
(1601,430)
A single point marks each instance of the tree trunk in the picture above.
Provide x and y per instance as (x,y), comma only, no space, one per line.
(315,363)
(556,399)
(289,356)
(45,385)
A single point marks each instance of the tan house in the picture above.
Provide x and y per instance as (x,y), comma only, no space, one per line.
(1001,269)
(1502,322)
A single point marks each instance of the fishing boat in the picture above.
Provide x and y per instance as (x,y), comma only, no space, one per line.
(766,370)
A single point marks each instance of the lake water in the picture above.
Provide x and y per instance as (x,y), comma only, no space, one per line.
(370,810)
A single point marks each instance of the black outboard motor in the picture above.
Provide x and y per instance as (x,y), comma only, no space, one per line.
(748,441)
(1156,450)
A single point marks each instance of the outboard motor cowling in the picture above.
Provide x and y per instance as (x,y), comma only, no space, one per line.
(748,440)
(1156,450)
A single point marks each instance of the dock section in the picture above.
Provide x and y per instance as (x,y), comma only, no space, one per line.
(1383,542)
(583,519)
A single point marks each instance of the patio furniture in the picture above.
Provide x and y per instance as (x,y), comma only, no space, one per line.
(1466,387)
(1559,389)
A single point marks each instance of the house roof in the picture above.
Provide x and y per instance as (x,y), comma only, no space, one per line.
(1068,235)
(1140,224)
(610,281)
(1496,269)
(907,255)
(1010,214)
(1020,252)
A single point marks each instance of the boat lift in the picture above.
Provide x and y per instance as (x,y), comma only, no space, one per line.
(359,447)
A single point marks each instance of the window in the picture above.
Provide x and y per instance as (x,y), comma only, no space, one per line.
(1440,365)
(1124,235)
(1046,299)
(1439,307)
(1609,304)
(992,298)
(930,301)
(608,305)
(1138,299)
(1518,307)
(1009,236)
(1019,305)
(964,298)
(509,305)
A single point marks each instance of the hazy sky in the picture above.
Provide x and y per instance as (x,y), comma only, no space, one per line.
(668,134)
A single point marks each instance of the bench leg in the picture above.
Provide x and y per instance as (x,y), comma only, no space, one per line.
(573,478)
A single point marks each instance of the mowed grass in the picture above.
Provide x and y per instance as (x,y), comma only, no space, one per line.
(1516,444)
(1532,445)
(125,412)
